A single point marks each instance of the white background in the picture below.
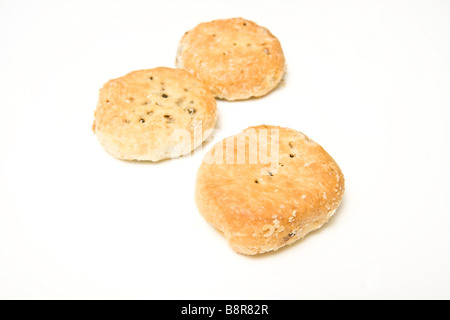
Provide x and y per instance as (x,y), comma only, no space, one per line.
(368,80)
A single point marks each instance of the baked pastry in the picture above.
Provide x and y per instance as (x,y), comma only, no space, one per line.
(267,187)
(236,58)
(154,114)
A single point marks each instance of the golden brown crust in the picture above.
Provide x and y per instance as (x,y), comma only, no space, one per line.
(262,207)
(236,58)
(151,115)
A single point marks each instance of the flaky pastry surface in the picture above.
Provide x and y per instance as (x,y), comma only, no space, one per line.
(154,114)
(236,58)
(262,207)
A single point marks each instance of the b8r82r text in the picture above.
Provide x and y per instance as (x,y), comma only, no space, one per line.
(241,309)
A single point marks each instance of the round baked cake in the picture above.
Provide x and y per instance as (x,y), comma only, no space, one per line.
(236,58)
(154,114)
(267,187)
